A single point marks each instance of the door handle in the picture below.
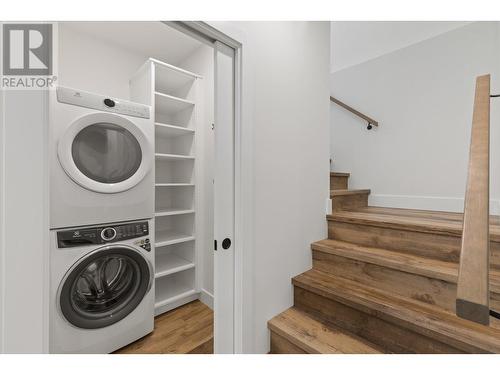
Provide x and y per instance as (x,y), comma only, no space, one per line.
(226,243)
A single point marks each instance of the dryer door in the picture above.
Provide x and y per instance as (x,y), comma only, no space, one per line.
(104,286)
(105,153)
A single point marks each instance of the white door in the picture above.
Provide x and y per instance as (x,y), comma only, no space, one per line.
(224,200)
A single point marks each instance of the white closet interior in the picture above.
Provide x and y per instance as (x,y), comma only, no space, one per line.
(154,64)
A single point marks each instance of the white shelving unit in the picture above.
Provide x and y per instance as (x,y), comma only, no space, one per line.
(172,92)
(168,104)
(168,264)
(171,185)
(160,156)
(172,211)
(171,131)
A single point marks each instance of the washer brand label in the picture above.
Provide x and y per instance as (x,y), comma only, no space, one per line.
(27,56)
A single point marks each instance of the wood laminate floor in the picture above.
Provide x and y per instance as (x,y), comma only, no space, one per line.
(187,329)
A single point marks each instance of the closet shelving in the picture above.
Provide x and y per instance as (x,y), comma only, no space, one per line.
(171,131)
(172,92)
(173,156)
(172,211)
(171,185)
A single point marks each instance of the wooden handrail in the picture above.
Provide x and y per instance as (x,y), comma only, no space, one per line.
(473,294)
(357,113)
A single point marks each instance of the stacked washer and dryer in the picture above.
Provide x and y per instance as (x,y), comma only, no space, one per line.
(101,210)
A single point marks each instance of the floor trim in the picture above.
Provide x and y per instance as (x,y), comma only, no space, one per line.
(207,298)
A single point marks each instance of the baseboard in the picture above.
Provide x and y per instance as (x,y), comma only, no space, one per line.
(450,204)
(329,206)
(207,298)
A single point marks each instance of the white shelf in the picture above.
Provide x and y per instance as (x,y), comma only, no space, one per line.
(172,68)
(174,287)
(173,157)
(172,211)
(165,238)
(172,131)
(168,264)
(172,79)
(169,104)
(159,184)
(163,305)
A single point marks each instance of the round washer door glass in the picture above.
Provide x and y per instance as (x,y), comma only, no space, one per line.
(104,287)
(106,153)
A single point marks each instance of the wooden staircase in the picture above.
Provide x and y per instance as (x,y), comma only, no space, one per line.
(385,281)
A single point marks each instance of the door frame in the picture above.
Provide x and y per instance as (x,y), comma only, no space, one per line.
(209,35)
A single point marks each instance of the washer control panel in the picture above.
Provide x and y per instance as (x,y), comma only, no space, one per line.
(103,103)
(101,234)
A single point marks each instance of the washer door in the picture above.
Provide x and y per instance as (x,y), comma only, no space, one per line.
(105,153)
(104,286)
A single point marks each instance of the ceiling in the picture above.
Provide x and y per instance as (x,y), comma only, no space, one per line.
(354,42)
(150,39)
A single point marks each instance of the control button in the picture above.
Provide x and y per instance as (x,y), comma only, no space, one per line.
(109,103)
(108,234)
(146,246)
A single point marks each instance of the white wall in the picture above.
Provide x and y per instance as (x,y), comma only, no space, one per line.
(2,220)
(354,42)
(422,96)
(24,233)
(90,64)
(285,144)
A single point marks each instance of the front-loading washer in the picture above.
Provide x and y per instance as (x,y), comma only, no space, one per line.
(101,159)
(101,287)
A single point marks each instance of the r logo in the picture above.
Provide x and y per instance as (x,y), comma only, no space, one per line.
(27,49)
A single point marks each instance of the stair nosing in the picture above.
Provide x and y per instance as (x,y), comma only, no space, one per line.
(275,326)
(343,192)
(451,327)
(408,224)
(340,174)
(418,267)
(305,346)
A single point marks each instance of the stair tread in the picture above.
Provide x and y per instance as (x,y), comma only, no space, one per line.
(313,336)
(406,262)
(339,192)
(449,223)
(423,317)
(339,174)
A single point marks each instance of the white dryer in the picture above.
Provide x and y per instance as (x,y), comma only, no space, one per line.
(101,287)
(101,159)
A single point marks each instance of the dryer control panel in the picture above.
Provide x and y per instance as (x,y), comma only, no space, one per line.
(102,234)
(102,103)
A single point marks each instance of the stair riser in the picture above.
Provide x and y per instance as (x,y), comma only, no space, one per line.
(393,335)
(339,182)
(345,202)
(421,288)
(432,245)
(280,345)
